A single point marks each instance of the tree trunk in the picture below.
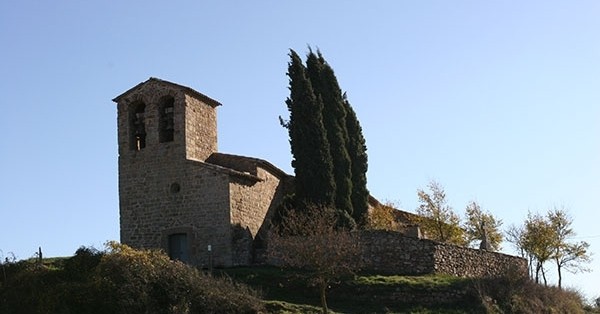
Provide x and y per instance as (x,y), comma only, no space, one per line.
(323,288)
(544,276)
(530,266)
(559,276)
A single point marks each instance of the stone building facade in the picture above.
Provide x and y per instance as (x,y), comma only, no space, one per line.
(176,191)
(206,208)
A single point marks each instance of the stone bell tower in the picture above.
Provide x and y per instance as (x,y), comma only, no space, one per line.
(162,128)
(157,117)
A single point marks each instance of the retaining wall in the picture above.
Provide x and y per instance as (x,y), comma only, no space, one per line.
(391,253)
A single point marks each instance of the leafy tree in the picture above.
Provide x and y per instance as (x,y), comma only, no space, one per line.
(382,217)
(537,241)
(313,165)
(330,160)
(546,238)
(438,220)
(357,150)
(480,224)
(309,239)
(566,255)
(326,88)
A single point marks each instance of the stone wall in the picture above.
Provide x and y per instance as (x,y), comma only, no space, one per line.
(433,295)
(200,129)
(250,205)
(172,188)
(166,188)
(160,197)
(391,253)
(466,262)
(195,119)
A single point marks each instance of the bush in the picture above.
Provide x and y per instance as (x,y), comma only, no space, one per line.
(148,281)
(123,280)
(520,294)
(82,264)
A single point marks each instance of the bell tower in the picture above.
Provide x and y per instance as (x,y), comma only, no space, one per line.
(157,117)
(165,131)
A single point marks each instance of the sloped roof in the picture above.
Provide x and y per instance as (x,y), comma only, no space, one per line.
(186,89)
(244,164)
(229,171)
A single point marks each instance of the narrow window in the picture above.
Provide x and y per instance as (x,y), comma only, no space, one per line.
(178,247)
(138,126)
(166,124)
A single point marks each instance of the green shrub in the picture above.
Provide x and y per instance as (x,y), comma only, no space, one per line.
(82,265)
(519,294)
(122,280)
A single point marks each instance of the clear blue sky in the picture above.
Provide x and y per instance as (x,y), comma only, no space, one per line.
(499,101)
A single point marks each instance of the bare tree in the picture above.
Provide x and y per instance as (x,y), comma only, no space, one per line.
(516,236)
(308,239)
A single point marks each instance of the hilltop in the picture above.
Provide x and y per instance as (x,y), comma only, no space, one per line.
(125,280)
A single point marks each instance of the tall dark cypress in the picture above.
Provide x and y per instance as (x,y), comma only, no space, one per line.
(357,149)
(312,161)
(326,88)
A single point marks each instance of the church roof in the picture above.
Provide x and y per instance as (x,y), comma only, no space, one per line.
(244,164)
(229,171)
(186,89)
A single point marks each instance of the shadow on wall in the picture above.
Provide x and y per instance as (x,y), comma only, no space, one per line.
(242,244)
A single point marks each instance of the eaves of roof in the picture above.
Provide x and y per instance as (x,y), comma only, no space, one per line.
(226,160)
(228,171)
(186,89)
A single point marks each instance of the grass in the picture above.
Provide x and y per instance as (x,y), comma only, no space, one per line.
(286,292)
(416,282)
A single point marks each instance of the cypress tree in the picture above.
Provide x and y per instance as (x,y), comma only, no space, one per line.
(326,88)
(312,161)
(327,144)
(357,149)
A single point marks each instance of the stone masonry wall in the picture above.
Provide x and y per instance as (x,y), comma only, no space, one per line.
(466,262)
(200,129)
(387,252)
(161,191)
(390,253)
(195,132)
(250,205)
(152,208)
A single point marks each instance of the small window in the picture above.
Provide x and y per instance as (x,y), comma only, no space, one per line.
(178,247)
(166,123)
(138,126)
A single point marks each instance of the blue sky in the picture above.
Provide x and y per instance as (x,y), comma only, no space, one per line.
(499,101)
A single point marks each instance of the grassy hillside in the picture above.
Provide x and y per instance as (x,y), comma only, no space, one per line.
(123,280)
(286,292)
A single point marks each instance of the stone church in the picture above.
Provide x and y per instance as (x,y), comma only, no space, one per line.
(176,191)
